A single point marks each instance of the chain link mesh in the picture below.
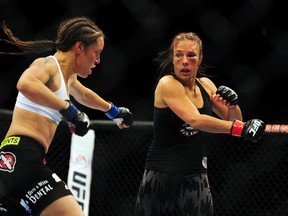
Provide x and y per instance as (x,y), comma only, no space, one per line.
(247,179)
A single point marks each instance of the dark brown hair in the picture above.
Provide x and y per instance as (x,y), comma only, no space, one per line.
(69,32)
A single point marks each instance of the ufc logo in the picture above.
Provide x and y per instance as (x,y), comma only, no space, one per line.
(254,127)
(79,183)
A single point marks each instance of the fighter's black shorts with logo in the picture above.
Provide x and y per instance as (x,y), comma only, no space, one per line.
(27,186)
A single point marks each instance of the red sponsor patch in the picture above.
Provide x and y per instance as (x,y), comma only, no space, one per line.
(7,161)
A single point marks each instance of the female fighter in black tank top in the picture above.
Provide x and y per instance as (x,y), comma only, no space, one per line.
(177,147)
(175,177)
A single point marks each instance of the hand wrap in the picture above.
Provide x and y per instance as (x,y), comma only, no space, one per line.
(120,115)
(78,121)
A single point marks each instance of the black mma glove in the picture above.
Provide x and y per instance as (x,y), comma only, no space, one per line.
(251,130)
(228,94)
(120,115)
(78,121)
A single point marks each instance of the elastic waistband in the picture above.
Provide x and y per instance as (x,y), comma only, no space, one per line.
(16,139)
(12,140)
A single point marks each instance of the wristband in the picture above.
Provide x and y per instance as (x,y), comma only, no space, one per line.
(70,112)
(112,112)
(237,128)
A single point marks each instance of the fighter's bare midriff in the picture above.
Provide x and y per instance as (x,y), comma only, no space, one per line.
(33,125)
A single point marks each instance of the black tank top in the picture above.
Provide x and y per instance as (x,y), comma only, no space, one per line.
(176,146)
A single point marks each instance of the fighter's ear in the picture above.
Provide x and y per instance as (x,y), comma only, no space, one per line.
(78,46)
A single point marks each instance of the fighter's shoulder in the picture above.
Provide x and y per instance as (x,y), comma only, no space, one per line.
(208,84)
(168,80)
(45,64)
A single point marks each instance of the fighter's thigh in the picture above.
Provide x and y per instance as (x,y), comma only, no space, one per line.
(64,206)
(154,193)
(195,196)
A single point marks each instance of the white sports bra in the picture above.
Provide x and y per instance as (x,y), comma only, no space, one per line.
(52,114)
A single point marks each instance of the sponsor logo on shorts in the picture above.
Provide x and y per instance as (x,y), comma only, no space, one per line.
(40,190)
(2,209)
(7,161)
(204,162)
(13,140)
(187,130)
(57,179)
(24,203)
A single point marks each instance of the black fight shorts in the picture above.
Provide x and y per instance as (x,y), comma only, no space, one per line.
(27,186)
(164,194)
